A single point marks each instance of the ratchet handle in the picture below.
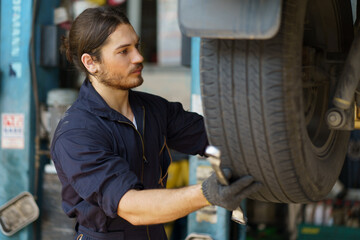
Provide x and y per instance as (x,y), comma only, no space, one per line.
(213,154)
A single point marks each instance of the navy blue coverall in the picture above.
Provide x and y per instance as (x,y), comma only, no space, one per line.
(99,155)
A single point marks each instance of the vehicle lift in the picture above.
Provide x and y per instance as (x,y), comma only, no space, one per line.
(21,156)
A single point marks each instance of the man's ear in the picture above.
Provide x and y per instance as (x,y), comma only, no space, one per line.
(90,64)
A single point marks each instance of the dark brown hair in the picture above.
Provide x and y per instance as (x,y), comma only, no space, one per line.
(89,33)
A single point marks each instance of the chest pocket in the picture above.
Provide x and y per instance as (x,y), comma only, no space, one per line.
(165,161)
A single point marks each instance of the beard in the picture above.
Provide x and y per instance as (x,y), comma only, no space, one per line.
(117,81)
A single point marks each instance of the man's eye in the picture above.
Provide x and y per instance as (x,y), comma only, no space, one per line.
(123,51)
(138,46)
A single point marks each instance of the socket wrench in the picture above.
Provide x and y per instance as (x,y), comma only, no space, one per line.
(214,155)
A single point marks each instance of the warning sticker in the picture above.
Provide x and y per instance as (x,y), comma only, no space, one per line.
(12,131)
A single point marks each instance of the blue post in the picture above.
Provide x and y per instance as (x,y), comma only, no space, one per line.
(195,66)
(16,103)
(212,221)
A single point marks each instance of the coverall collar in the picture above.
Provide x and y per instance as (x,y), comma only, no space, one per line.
(97,105)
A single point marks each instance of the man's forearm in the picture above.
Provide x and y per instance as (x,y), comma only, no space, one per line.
(156,206)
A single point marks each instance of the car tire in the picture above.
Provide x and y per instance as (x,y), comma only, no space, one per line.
(264,101)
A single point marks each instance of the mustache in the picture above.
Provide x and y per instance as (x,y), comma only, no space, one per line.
(137,67)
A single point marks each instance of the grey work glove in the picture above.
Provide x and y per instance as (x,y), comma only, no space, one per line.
(230,196)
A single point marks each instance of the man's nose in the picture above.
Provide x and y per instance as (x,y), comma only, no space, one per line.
(137,58)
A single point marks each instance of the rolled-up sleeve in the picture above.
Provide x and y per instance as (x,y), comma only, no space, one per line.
(97,174)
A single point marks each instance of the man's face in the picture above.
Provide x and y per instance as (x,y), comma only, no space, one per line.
(121,63)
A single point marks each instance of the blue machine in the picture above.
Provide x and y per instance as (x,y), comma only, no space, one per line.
(17,117)
(18,168)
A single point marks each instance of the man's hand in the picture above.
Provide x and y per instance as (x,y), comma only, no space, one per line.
(230,196)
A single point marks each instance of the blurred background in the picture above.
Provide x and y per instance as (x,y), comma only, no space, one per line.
(37,85)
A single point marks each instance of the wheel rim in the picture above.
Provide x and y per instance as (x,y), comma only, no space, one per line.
(316,90)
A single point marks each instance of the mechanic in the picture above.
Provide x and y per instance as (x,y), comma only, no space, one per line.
(111,148)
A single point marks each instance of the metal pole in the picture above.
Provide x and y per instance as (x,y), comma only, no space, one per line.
(211,221)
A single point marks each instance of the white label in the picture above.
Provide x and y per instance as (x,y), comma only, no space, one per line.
(16,69)
(12,131)
(16,28)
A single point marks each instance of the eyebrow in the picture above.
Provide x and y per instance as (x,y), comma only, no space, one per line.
(127,44)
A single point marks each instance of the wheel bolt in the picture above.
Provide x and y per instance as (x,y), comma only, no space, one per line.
(334,119)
